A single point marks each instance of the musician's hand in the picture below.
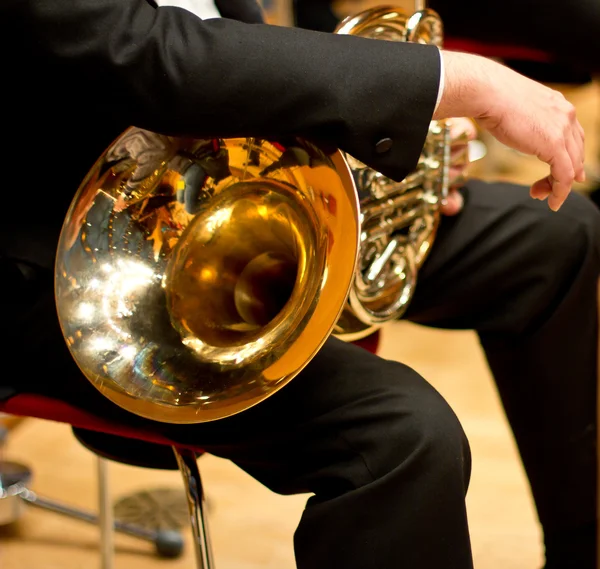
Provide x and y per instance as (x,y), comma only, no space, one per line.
(462,130)
(520,113)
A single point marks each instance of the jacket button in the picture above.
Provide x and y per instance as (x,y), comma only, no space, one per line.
(383,145)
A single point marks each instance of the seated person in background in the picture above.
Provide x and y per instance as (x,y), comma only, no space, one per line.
(382,452)
(566,31)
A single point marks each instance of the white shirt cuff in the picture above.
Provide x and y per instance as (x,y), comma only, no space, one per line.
(442,78)
(204,9)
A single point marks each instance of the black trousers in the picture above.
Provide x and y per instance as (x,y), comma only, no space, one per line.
(382,453)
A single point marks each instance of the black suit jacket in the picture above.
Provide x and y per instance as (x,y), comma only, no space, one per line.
(78,72)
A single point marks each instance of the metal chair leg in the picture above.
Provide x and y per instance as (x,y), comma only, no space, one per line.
(188,465)
(105,516)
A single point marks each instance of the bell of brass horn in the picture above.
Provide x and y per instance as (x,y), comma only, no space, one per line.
(195,278)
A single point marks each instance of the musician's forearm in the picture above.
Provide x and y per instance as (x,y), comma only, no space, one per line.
(167,70)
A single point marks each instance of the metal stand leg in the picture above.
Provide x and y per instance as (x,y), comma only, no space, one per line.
(15,478)
(168,543)
(14,494)
(188,466)
(105,516)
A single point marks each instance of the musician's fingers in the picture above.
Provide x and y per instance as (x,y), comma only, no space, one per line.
(456,177)
(453,203)
(576,149)
(541,189)
(562,171)
(463,127)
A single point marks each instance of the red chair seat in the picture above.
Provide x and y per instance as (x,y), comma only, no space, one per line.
(40,407)
(498,51)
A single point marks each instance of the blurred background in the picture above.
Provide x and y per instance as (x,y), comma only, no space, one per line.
(252,527)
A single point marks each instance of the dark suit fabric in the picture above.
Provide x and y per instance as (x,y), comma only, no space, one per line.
(85,70)
(382,453)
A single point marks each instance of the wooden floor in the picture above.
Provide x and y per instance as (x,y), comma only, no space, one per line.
(252,528)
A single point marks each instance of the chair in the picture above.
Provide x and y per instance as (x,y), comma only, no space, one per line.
(115,442)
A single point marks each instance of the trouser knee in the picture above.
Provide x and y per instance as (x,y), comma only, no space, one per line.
(418,427)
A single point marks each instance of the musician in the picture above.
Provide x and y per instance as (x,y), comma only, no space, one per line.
(382,452)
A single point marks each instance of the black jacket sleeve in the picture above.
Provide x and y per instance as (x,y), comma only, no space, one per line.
(166,70)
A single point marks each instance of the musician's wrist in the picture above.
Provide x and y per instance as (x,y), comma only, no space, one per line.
(468,86)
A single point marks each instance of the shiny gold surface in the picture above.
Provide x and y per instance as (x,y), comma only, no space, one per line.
(195,278)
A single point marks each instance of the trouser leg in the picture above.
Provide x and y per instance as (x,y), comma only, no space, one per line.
(526,280)
(383,454)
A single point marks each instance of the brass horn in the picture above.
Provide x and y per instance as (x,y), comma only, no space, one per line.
(196,277)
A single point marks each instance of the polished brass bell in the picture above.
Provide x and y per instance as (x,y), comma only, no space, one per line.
(195,278)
